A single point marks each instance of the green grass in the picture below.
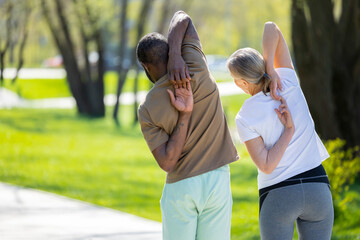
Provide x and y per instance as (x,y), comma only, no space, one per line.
(54,88)
(39,88)
(231,106)
(92,160)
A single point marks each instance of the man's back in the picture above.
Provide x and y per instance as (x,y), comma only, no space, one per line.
(208,144)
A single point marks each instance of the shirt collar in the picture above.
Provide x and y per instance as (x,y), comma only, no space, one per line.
(161,80)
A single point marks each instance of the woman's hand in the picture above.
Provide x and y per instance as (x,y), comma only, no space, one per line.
(275,83)
(183,99)
(268,159)
(284,115)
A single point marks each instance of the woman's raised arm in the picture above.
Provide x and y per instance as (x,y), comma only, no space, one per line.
(276,55)
(275,50)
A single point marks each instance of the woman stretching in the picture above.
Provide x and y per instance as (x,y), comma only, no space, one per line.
(293,185)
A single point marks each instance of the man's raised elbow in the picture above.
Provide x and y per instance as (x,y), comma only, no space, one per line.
(182,16)
(180,12)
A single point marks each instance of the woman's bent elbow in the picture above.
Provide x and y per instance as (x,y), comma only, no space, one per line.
(266,169)
(270,24)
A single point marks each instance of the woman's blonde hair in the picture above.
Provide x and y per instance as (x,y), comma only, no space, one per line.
(249,64)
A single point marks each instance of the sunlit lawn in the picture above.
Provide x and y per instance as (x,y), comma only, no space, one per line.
(92,160)
(54,88)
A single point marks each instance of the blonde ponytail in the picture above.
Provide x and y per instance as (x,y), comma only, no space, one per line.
(249,64)
(266,83)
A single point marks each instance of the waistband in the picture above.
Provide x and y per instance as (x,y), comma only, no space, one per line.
(317,174)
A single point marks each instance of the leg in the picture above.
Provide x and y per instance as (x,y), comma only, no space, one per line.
(316,222)
(214,222)
(279,211)
(179,212)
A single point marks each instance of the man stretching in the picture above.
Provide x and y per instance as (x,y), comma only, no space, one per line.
(185,128)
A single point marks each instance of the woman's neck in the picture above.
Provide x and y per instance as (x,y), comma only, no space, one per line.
(255,89)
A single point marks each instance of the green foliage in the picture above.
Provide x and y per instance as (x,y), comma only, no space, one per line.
(342,167)
(225,27)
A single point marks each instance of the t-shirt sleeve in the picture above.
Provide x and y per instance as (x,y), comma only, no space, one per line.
(154,135)
(288,76)
(246,133)
(195,58)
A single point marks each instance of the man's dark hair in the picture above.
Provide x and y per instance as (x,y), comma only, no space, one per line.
(153,48)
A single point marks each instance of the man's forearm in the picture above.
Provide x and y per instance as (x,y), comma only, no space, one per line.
(175,144)
(177,139)
(177,30)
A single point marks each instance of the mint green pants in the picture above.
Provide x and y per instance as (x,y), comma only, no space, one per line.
(198,207)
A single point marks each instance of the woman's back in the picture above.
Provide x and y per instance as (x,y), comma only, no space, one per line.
(258,118)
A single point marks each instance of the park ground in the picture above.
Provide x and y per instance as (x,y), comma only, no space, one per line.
(57,151)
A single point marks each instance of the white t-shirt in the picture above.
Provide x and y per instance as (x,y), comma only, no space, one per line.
(258,118)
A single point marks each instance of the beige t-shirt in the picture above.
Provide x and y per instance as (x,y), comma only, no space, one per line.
(208,144)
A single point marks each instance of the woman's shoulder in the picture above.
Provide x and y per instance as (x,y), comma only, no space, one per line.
(255,108)
(288,75)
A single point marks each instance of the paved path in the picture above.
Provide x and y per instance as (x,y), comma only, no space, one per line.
(27,214)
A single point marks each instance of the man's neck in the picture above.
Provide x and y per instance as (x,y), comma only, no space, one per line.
(160,74)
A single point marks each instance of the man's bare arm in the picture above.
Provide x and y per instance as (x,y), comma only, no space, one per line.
(168,154)
(181,27)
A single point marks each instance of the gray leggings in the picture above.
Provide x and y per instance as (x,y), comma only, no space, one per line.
(309,204)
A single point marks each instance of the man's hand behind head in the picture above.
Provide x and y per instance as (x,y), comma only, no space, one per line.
(178,71)
(180,27)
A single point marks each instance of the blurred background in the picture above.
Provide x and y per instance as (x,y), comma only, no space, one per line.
(70,86)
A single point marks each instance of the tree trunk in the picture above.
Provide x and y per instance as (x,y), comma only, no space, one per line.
(143,14)
(9,13)
(122,70)
(327,57)
(164,18)
(136,105)
(23,37)
(86,87)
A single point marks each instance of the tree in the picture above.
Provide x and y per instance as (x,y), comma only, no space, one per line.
(327,57)
(123,70)
(17,14)
(85,78)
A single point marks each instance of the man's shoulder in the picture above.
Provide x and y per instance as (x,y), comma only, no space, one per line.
(156,93)
(157,100)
